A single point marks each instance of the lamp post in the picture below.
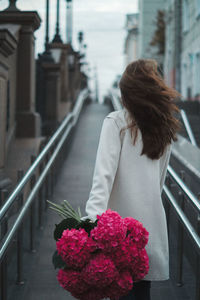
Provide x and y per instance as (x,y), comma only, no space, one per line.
(47,26)
(57,38)
(12,6)
(47,53)
(69,21)
(80,39)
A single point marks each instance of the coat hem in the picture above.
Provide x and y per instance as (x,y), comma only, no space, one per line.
(156,278)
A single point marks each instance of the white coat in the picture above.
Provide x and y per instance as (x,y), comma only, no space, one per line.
(131,184)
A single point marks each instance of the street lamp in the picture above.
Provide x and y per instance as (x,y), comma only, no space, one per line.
(12,6)
(80,39)
(57,38)
(69,21)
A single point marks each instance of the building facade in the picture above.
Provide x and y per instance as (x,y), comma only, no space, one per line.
(148,10)
(131,42)
(182,56)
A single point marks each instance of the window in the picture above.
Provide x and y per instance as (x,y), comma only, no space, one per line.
(184,80)
(186,15)
(197,74)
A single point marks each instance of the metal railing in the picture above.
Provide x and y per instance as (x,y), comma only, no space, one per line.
(42,177)
(184,223)
(188,127)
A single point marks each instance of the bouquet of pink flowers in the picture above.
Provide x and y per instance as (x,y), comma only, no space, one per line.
(100,259)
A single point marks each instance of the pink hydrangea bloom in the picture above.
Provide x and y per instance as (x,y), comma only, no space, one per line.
(100,271)
(125,253)
(140,267)
(121,286)
(106,263)
(110,230)
(75,247)
(71,281)
(136,232)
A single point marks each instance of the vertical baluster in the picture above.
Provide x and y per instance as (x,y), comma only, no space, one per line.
(40,198)
(3,265)
(179,273)
(52,174)
(32,210)
(47,180)
(197,296)
(168,180)
(20,236)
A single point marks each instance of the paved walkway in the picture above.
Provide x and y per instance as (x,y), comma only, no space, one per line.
(74,184)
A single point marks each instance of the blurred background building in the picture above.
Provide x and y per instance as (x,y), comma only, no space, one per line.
(168,31)
(148,16)
(131,42)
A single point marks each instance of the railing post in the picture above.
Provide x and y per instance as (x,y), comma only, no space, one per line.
(52,174)
(197,296)
(3,264)
(40,198)
(32,210)
(179,273)
(47,181)
(20,236)
(167,203)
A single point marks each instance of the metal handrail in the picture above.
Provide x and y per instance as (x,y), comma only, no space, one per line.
(176,178)
(193,199)
(66,126)
(185,223)
(184,220)
(69,118)
(188,127)
(31,170)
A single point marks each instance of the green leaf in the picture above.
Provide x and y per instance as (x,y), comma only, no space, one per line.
(57,261)
(87,225)
(68,223)
(79,211)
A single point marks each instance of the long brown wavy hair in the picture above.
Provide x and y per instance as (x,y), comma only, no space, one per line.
(150,105)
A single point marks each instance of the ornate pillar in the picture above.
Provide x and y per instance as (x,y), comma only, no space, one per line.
(8,46)
(28,121)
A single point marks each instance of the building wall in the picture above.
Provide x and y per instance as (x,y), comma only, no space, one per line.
(190,64)
(190,48)
(131,42)
(12,82)
(131,48)
(147,17)
(169,57)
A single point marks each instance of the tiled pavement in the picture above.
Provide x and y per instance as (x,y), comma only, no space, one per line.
(74,184)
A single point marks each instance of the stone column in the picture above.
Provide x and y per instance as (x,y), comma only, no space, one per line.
(8,45)
(52,96)
(28,121)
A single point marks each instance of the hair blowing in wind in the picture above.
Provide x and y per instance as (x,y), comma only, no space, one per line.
(151,107)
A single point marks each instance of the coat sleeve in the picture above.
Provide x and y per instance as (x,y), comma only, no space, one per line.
(107,159)
(163,166)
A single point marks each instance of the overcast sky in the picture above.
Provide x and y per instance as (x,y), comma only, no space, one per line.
(103,24)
